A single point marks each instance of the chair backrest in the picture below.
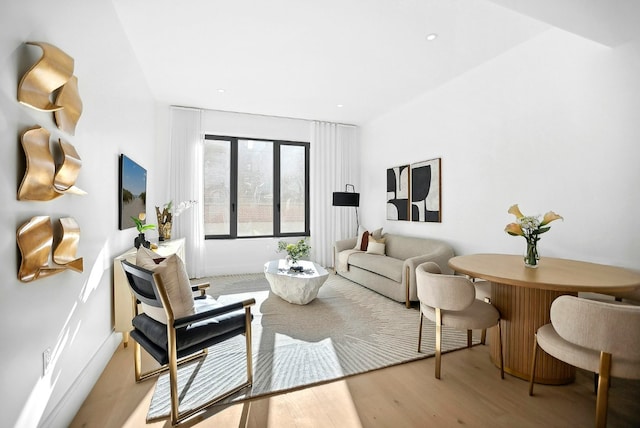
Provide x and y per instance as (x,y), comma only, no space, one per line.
(448,292)
(633,295)
(142,284)
(598,325)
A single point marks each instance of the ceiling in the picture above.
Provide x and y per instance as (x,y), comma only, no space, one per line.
(345,61)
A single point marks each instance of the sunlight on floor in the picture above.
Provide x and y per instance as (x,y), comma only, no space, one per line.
(315,415)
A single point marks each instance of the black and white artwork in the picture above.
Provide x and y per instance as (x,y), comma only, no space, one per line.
(398,193)
(425,191)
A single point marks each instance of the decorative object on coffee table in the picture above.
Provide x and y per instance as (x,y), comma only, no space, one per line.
(530,227)
(299,287)
(295,252)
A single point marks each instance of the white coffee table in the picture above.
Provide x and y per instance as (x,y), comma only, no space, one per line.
(295,287)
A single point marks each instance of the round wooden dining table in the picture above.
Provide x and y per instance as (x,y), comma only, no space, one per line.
(523,296)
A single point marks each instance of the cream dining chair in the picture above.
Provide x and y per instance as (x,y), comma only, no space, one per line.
(450,300)
(593,335)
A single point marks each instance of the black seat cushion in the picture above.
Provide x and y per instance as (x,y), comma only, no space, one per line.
(152,335)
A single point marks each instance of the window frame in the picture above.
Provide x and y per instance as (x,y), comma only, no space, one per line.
(233,187)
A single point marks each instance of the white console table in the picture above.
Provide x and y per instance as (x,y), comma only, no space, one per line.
(122,300)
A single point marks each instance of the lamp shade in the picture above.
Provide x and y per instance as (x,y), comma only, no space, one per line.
(346,199)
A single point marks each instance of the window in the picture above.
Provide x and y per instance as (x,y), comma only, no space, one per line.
(255,187)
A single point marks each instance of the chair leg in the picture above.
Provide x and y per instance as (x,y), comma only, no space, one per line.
(247,334)
(500,349)
(137,361)
(173,375)
(533,363)
(483,337)
(438,341)
(603,389)
(469,338)
(420,332)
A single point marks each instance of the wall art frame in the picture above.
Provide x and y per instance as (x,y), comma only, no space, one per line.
(426,191)
(398,186)
(132,192)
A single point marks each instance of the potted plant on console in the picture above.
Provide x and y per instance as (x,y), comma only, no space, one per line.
(140,239)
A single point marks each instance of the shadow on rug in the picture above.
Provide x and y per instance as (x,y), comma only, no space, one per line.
(346,330)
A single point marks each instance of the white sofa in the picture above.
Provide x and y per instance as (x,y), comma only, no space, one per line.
(393,274)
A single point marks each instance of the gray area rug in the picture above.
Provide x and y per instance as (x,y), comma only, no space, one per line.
(346,330)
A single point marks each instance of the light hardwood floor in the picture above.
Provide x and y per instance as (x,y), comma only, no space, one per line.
(470,394)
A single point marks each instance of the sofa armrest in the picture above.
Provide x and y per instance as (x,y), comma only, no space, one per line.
(344,244)
(409,270)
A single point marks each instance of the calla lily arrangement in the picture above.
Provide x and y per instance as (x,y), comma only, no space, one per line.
(530,227)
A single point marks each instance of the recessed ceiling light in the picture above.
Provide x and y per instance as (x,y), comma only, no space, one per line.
(221,90)
(431,37)
(340,105)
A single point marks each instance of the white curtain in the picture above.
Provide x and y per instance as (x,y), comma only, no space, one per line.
(334,163)
(185,184)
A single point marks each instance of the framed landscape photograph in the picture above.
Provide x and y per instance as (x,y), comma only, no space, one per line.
(132,194)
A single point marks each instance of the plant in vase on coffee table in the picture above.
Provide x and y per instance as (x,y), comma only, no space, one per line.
(295,252)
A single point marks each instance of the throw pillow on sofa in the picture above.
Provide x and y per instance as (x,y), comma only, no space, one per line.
(175,279)
(363,238)
(376,246)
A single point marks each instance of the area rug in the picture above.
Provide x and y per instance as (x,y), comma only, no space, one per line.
(346,330)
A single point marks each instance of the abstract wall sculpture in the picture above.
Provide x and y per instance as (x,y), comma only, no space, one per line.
(66,244)
(398,193)
(44,180)
(36,240)
(54,70)
(425,191)
(69,98)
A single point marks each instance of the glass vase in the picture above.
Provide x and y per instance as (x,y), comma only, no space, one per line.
(531,257)
(293,265)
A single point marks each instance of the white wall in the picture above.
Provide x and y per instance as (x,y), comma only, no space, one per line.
(245,255)
(550,124)
(68,312)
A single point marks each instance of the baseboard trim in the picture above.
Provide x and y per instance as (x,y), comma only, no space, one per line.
(68,407)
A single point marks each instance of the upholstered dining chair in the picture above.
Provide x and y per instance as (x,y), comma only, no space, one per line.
(630,297)
(593,335)
(483,292)
(450,300)
(172,340)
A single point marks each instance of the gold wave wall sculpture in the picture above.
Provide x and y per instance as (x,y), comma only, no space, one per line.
(69,98)
(35,241)
(53,70)
(66,244)
(44,180)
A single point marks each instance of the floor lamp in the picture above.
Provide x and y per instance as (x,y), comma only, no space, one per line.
(348,199)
